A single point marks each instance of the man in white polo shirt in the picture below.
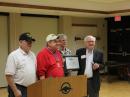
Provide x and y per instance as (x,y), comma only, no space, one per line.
(20,68)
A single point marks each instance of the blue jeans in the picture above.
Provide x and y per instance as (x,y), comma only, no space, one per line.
(21,88)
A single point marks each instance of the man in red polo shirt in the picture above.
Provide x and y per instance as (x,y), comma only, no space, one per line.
(49,60)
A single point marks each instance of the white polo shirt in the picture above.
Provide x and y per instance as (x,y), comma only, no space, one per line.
(89,62)
(22,66)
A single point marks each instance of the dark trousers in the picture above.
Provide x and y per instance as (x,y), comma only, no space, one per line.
(91,90)
(21,88)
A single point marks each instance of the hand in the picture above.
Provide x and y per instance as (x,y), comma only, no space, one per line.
(42,77)
(63,59)
(95,66)
(18,93)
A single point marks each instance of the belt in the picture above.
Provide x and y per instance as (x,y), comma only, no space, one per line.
(89,78)
(20,85)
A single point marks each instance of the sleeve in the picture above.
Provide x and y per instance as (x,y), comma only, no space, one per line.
(101,60)
(10,68)
(70,52)
(35,60)
(41,64)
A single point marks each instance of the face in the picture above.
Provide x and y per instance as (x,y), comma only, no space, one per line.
(53,44)
(58,43)
(63,41)
(90,44)
(25,45)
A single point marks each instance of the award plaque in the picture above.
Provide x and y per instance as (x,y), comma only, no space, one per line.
(71,62)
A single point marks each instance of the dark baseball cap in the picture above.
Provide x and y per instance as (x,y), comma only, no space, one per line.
(26,36)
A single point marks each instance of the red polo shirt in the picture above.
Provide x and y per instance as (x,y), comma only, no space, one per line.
(49,64)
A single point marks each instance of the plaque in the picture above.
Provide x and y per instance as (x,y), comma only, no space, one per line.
(71,62)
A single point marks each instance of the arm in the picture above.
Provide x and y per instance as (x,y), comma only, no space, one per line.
(41,66)
(11,83)
(99,61)
(9,72)
(42,77)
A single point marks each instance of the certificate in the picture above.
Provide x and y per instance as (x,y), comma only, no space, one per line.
(71,62)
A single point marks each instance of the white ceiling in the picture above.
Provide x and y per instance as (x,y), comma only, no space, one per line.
(100,5)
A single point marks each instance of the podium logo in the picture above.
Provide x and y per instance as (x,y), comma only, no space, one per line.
(65,88)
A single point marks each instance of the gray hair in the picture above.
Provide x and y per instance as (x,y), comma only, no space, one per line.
(90,37)
(61,36)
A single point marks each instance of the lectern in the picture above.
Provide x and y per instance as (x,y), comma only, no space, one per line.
(73,86)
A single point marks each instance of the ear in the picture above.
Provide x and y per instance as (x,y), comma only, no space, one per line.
(20,41)
(48,43)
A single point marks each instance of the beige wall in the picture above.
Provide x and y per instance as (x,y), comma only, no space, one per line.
(65,26)
(14,30)
(99,31)
(72,31)
(81,32)
(3,48)
(39,27)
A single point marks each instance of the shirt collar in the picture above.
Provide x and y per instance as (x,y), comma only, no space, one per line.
(62,49)
(89,51)
(51,50)
(23,52)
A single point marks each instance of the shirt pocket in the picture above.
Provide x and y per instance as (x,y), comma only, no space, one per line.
(21,64)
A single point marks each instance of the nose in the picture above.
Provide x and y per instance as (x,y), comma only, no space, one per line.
(29,44)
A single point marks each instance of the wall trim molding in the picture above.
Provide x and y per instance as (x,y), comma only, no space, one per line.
(4,14)
(39,15)
(119,11)
(84,25)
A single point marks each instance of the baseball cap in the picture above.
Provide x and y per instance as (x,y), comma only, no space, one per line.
(26,36)
(51,37)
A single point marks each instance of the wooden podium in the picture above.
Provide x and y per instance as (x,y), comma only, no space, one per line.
(74,86)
